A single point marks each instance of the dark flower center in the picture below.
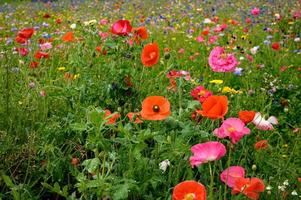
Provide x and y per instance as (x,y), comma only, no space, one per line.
(156,108)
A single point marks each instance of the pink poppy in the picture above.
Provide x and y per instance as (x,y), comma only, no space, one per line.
(206,152)
(219,61)
(212,39)
(229,175)
(45,46)
(200,39)
(200,93)
(233,128)
(121,27)
(103,35)
(255,11)
(22,51)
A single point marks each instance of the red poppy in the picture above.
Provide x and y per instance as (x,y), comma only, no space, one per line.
(276,46)
(68,37)
(141,32)
(246,115)
(121,27)
(262,144)
(40,54)
(46,15)
(150,54)
(299,179)
(112,119)
(249,187)
(136,116)
(58,20)
(155,108)
(189,190)
(26,33)
(33,64)
(214,107)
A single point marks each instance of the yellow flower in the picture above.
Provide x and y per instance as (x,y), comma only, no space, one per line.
(76,76)
(61,69)
(231,90)
(218,82)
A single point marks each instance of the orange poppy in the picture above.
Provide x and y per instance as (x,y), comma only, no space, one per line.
(262,144)
(299,179)
(113,118)
(68,37)
(189,190)
(136,116)
(214,107)
(155,108)
(246,115)
(141,32)
(150,54)
(249,187)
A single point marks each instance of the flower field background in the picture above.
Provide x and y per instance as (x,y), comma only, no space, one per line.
(175,99)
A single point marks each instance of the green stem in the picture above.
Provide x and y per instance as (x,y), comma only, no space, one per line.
(228,165)
(211,182)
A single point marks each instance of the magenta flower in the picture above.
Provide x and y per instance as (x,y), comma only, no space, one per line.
(219,61)
(205,152)
(233,128)
(255,11)
(229,175)
(121,27)
(200,93)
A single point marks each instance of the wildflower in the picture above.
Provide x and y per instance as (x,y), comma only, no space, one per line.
(218,82)
(200,93)
(251,187)
(255,11)
(254,50)
(121,28)
(61,69)
(164,164)
(229,175)
(68,37)
(189,190)
(43,93)
(136,116)
(150,54)
(262,144)
(74,161)
(33,64)
(22,51)
(231,90)
(155,108)
(221,62)
(45,46)
(200,39)
(111,118)
(103,21)
(294,193)
(140,33)
(206,152)
(73,26)
(263,124)
(40,54)
(233,128)
(214,107)
(276,46)
(23,35)
(238,71)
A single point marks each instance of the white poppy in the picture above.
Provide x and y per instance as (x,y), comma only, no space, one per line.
(263,124)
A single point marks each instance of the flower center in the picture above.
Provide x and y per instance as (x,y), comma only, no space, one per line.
(156,108)
(152,55)
(201,93)
(231,129)
(189,196)
(223,56)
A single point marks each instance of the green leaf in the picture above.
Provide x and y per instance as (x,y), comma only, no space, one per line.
(120,192)
(91,165)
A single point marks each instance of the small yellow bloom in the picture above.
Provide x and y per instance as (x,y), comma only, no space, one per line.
(76,76)
(218,82)
(61,69)
(231,90)
(290,23)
